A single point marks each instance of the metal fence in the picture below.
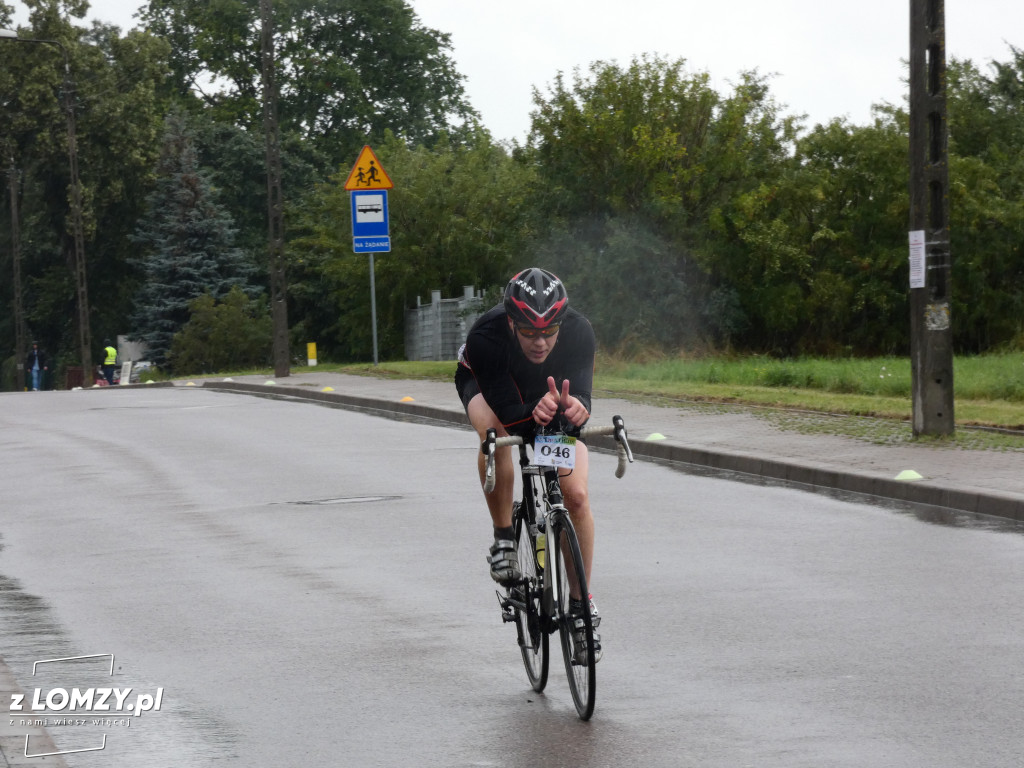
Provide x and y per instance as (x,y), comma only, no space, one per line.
(435,331)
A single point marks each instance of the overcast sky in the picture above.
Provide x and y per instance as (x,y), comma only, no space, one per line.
(828,58)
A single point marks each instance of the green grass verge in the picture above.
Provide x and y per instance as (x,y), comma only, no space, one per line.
(808,395)
(989,389)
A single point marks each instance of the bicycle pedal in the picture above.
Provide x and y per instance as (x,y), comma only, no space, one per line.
(507,612)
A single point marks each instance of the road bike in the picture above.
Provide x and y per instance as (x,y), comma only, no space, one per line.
(550,563)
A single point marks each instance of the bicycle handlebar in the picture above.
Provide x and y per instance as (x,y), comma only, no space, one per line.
(617,430)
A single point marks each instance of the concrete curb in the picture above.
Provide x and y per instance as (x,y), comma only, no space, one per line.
(917,492)
(125,387)
(372,405)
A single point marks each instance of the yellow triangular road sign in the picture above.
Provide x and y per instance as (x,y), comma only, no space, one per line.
(368,173)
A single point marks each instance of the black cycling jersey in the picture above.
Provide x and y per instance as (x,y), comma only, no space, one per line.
(511,384)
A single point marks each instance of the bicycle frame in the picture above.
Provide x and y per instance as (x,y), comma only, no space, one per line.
(536,602)
(542,495)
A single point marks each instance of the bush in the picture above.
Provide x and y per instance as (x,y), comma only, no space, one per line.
(232,335)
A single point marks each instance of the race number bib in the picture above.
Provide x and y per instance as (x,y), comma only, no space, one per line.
(554,451)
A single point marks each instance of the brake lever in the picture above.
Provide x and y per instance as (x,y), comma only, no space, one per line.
(487,448)
(620,436)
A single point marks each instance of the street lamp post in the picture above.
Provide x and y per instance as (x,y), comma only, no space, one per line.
(78,229)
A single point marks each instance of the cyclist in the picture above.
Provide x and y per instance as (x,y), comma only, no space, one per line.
(524,362)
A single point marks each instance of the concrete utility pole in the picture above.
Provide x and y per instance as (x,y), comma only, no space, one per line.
(275,213)
(931,337)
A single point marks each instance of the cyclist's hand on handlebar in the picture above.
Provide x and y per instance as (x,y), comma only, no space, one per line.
(547,408)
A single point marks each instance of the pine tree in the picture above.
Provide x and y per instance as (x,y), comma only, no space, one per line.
(188,244)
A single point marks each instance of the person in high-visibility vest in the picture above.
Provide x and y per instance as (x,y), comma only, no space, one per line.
(109,361)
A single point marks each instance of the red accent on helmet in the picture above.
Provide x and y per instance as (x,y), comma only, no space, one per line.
(541,321)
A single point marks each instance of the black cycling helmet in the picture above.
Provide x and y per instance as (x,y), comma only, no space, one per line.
(535,298)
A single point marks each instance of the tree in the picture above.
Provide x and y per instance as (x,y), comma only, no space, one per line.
(461,214)
(235,161)
(986,117)
(188,243)
(227,335)
(118,103)
(823,265)
(347,70)
(651,154)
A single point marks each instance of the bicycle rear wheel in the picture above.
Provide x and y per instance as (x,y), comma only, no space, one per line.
(580,665)
(533,640)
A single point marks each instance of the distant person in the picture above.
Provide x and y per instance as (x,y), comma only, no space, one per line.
(109,361)
(37,365)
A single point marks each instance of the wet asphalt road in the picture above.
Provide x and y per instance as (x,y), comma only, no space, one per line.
(308,587)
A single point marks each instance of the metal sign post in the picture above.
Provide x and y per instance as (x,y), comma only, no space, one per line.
(371,234)
(373,310)
(368,184)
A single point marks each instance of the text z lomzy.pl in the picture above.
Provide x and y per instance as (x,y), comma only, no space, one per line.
(90,700)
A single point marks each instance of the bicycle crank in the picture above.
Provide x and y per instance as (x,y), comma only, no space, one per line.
(507,611)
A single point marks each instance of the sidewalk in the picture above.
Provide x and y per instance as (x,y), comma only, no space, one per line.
(731,439)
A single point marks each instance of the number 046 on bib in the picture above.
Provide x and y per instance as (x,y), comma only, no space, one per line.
(554,451)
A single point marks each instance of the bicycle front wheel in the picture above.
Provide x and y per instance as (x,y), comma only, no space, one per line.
(533,640)
(576,631)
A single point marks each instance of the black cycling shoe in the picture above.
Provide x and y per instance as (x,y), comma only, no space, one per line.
(504,562)
(579,640)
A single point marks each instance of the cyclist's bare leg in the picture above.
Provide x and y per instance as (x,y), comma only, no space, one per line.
(577,501)
(499,501)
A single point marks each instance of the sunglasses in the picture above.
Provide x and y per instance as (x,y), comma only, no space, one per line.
(533,333)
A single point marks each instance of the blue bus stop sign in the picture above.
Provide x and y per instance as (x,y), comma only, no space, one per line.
(370,230)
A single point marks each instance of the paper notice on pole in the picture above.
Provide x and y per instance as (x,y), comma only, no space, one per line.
(917,258)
